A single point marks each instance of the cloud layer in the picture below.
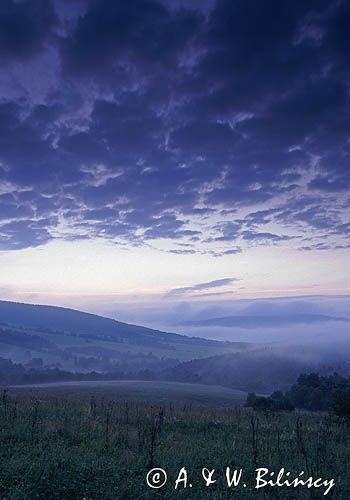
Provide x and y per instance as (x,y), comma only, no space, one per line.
(156,123)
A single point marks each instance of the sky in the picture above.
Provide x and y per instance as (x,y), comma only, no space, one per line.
(159,152)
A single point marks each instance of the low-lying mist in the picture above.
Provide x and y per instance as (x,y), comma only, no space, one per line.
(314,328)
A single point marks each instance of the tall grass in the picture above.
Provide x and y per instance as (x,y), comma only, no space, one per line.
(60,449)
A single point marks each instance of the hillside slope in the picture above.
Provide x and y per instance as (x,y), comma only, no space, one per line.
(263,370)
(77,340)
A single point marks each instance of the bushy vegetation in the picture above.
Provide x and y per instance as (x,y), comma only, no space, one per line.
(99,450)
(277,401)
(310,392)
(315,392)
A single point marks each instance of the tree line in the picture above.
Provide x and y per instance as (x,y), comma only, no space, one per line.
(311,392)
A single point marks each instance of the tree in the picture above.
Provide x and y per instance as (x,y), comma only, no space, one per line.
(340,403)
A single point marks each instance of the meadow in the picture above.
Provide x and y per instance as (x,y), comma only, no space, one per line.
(139,390)
(92,448)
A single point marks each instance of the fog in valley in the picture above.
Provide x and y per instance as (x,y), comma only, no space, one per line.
(250,345)
(313,330)
(289,320)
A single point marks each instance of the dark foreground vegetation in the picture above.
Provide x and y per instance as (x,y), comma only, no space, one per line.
(62,449)
(311,392)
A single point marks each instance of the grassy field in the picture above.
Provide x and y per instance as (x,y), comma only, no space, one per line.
(55,447)
(129,390)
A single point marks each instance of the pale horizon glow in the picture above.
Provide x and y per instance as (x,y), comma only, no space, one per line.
(85,274)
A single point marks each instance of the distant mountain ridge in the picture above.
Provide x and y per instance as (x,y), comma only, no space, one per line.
(262,320)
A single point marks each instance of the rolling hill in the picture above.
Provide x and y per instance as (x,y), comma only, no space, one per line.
(80,341)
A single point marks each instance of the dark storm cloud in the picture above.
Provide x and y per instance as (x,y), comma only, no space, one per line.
(162,120)
(141,31)
(24,27)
